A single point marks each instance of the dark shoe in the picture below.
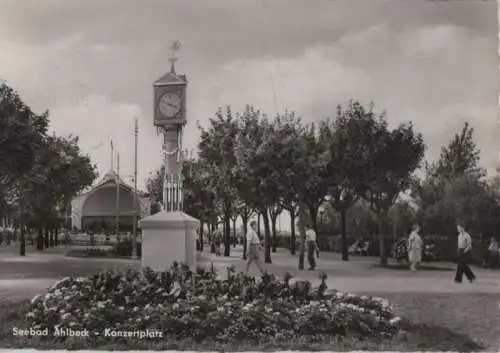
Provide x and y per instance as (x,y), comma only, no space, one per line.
(457,281)
(472,280)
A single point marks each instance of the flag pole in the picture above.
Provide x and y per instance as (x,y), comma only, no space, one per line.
(117,193)
(112,154)
(134,225)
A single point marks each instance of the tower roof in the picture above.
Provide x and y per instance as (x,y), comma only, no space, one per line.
(171,79)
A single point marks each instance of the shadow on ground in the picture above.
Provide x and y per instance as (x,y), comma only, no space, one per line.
(404,267)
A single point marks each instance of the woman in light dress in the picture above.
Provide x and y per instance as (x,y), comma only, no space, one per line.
(415,245)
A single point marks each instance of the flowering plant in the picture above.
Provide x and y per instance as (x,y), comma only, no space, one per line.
(198,305)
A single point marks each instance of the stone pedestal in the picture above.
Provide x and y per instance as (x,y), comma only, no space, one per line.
(168,237)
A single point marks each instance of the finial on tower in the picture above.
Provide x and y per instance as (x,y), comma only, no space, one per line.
(174,48)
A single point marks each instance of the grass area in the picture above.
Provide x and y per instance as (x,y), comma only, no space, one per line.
(420,337)
(473,314)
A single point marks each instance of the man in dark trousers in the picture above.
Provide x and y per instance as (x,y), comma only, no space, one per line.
(311,247)
(463,255)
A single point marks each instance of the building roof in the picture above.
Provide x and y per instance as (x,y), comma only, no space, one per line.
(112,177)
(171,79)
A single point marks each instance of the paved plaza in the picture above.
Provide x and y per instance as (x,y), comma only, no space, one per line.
(426,296)
(22,277)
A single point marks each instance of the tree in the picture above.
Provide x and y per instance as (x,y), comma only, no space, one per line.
(453,187)
(393,157)
(288,132)
(216,151)
(314,187)
(347,161)
(255,158)
(460,156)
(60,172)
(468,198)
(304,177)
(21,135)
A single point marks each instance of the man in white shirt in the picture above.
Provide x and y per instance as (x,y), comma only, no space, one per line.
(311,246)
(464,249)
(253,248)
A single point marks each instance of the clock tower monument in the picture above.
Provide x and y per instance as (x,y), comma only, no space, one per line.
(170,235)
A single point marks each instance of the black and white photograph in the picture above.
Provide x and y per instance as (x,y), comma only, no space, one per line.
(254,175)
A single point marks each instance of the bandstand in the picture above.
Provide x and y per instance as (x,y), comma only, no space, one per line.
(97,209)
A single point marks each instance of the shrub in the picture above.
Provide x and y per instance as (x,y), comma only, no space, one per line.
(124,248)
(282,241)
(96,252)
(199,306)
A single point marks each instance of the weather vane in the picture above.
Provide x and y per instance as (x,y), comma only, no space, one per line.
(174,48)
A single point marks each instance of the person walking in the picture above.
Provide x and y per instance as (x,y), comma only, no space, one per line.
(253,248)
(463,255)
(312,247)
(217,241)
(493,253)
(415,245)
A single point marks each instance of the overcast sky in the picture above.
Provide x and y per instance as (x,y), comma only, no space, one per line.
(92,64)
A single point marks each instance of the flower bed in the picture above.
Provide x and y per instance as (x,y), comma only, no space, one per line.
(201,307)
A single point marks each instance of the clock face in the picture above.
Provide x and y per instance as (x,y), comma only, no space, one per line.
(169,104)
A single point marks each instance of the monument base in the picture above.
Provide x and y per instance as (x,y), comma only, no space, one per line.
(168,237)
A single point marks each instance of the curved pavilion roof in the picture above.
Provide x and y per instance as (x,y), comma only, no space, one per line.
(111,178)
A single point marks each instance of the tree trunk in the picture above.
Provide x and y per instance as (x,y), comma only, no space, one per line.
(293,240)
(46,236)
(274,218)
(314,222)
(381,236)
(201,236)
(267,238)
(22,229)
(234,232)
(345,248)
(56,236)
(51,238)
(245,230)
(227,235)
(302,231)
(211,236)
(39,239)
(258,226)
